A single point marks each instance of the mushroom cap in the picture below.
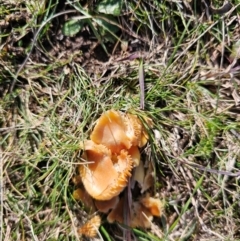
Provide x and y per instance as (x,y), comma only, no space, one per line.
(89,229)
(136,131)
(118,131)
(144,139)
(110,131)
(135,155)
(133,128)
(139,174)
(154,205)
(104,175)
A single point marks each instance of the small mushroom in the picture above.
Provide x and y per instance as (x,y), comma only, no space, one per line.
(154,205)
(104,175)
(90,228)
(118,131)
(110,132)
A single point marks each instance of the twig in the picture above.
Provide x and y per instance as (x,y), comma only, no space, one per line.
(222,10)
(141,83)
(221,172)
(1,193)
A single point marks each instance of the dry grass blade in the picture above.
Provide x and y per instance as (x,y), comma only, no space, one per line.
(141,84)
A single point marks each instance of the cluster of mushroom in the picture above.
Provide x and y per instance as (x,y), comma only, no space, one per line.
(108,160)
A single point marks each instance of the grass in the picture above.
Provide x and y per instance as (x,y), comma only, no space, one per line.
(191,94)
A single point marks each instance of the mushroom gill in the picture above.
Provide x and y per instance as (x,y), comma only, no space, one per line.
(104,175)
(136,132)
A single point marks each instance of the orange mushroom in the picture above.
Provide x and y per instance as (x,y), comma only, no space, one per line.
(90,228)
(135,155)
(139,174)
(118,131)
(110,155)
(135,130)
(104,175)
(154,205)
(110,132)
